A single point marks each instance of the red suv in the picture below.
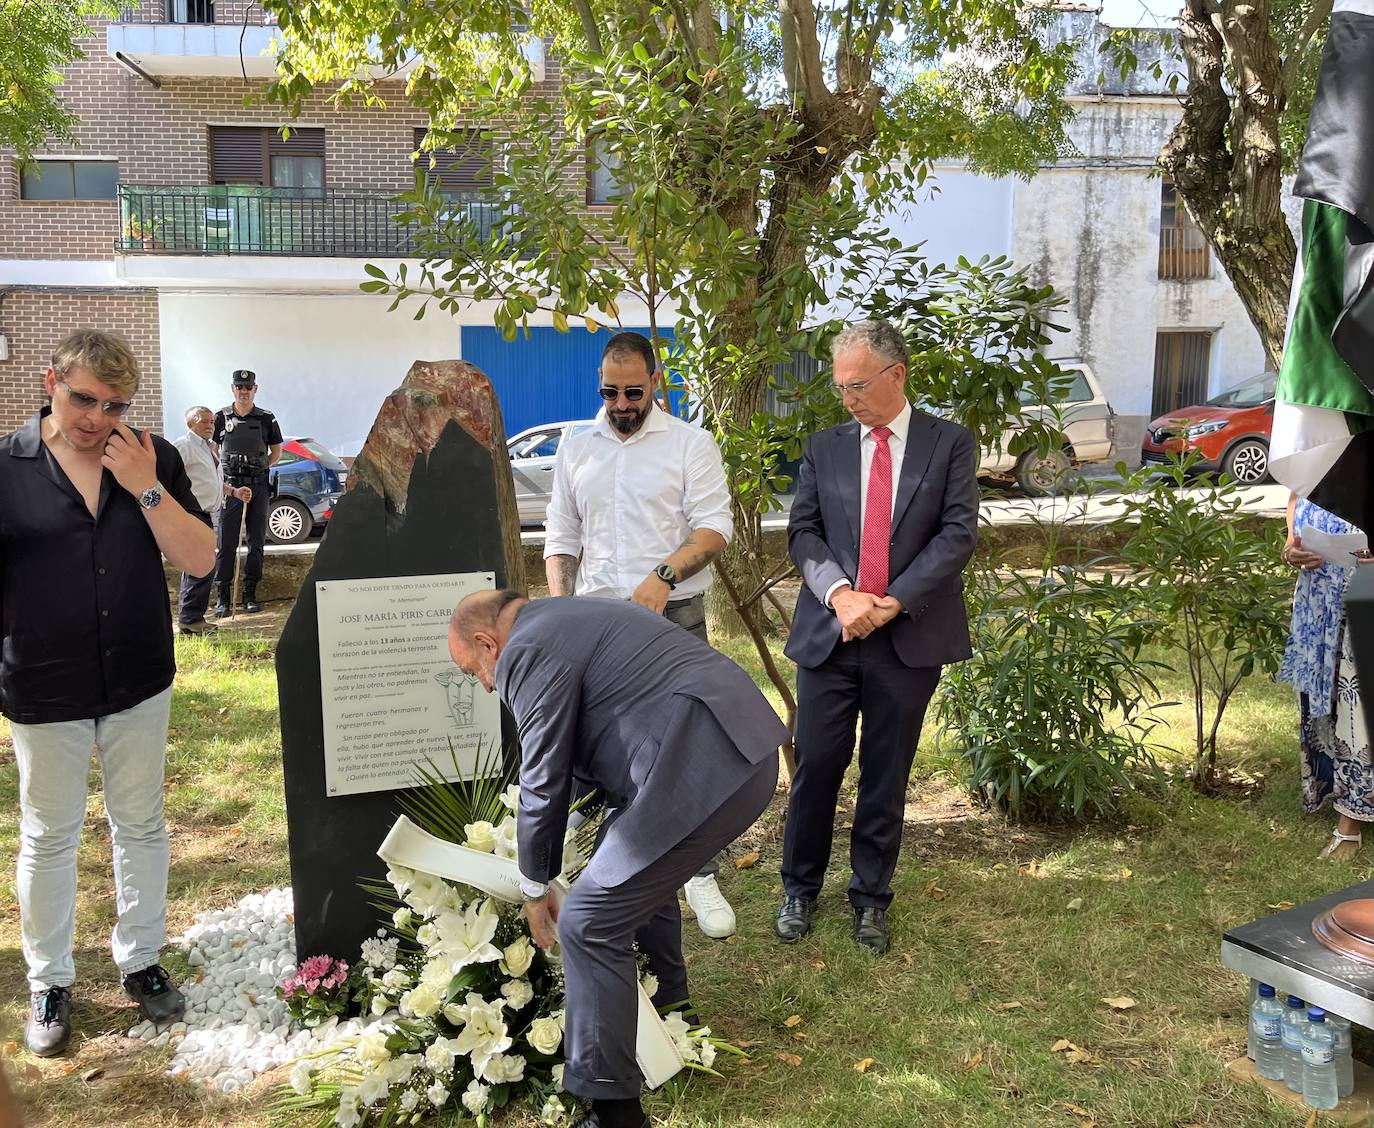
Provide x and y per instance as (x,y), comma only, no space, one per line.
(1230,433)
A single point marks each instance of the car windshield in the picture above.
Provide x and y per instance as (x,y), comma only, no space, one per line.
(1072,387)
(321,454)
(1252,393)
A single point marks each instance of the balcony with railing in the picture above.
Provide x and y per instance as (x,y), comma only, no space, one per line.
(304,222)
(199,38)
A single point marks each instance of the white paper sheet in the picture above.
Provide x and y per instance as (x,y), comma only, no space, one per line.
(1333,547)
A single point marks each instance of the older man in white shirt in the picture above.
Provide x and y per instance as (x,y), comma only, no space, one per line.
(201,459)
(639,509)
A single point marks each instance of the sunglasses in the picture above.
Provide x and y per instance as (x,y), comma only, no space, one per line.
(634,395)
(82,402)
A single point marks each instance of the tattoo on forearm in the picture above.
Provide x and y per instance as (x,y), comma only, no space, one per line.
(700,555)
(562,574)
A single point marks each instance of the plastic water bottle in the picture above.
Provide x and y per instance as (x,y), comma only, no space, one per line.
(1345,1062)
(1250,1026)
(1319,1088)
(1266,1021)
(1294,1019)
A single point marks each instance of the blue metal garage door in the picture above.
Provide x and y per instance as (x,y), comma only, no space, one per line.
(543,378)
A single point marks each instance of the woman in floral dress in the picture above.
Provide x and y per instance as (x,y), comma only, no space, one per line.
(1336,763)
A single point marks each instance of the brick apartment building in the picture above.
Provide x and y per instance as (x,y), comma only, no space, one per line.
(182,219)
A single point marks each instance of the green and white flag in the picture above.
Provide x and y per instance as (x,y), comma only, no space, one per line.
(1323,437)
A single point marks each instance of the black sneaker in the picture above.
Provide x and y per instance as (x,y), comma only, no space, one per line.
(222,605)
(152,990)
(50,1022)
(251,606)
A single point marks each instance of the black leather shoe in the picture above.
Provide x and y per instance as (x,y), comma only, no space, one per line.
(50,1022)
(794,919)
(592,1120)
(871,930)
(251,606)
(152,990)
(222,604)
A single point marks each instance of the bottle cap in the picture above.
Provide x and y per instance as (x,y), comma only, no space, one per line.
(1294,1001)
(1266,992)
(1316,1014)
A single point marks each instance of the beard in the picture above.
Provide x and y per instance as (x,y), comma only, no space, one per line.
(628,422)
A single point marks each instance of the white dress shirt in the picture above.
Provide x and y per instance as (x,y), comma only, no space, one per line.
(896,446)
(626,505)
(202,467)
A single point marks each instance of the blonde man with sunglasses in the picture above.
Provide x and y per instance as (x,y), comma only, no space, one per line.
(88,509)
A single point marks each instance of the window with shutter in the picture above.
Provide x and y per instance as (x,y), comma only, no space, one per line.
(260,155)
(462,168)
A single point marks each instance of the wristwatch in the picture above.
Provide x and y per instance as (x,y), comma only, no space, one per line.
(532,890)
(668,574)
(150,498)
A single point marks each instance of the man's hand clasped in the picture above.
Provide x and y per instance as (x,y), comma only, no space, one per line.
(131,459)
(652,593)
(861,614)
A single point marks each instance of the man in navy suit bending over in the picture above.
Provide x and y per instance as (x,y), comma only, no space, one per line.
(885,519)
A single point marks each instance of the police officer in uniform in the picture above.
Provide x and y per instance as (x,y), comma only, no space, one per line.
(249,441)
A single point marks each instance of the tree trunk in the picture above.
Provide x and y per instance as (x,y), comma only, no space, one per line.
(1225,156)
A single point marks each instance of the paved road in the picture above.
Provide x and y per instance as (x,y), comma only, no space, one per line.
(999,508)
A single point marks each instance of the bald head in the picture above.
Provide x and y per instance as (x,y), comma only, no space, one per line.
(478,631)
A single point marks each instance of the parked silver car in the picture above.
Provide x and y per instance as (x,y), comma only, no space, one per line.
(532,454)
(1087,427)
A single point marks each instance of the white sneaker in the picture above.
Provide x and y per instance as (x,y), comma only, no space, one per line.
(714,915)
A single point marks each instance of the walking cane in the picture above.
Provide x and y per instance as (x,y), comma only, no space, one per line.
(238,569)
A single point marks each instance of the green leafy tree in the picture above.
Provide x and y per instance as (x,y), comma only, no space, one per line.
(1248,74)
(37,39)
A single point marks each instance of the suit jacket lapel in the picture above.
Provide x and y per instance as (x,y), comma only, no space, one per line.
(920,448)
(849,477)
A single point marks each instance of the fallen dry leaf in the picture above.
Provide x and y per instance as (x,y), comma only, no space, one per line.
(864,1066)
(1162,926)
(798,1036)
(925,798)
(818,964)
(1030,868)
(974,1062)
(1061,1045)
(1077,1110)
(747,861)
(791,1059)
(1081,1057)
(791,1021)
(1011,1006)
(1019,838)
(939,832)
(1120,1002)
(933,890)
(1311,1120)
(9,1049)
(1280,906)
(1125,874)
(1074,905)
(745,1043)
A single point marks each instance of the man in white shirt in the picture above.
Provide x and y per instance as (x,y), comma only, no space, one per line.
(642,502)
(201,459)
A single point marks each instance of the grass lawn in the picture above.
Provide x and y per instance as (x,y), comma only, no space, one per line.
(990,967)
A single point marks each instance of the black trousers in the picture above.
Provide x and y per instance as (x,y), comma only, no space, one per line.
(860,678)
(231,516)
(193,597)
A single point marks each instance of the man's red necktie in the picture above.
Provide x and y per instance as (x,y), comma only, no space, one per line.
(877,526)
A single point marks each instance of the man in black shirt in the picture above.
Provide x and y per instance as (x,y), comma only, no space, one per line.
(88,509)
(249,442)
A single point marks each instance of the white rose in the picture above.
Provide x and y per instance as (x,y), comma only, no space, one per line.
(518,993)
(516,959)
(401,917)
(475,1097)
(423,1002)
(545,1035)
(426,934)
(437,1094)
(396,979)
(409,1099)
(371,1049)
(480,836)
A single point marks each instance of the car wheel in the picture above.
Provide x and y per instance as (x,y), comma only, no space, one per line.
(1248,462)
(1043,474)
(289,522)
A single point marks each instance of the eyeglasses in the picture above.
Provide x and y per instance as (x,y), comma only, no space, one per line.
(82,402)
(634,395)
(858,387)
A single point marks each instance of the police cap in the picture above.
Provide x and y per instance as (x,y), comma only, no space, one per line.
(244,378)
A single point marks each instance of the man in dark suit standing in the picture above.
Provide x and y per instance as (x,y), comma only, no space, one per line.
(884,521)
(684,748)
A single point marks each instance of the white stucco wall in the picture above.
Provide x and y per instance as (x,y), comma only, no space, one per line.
(959,214)
(324,362)
(1091,228)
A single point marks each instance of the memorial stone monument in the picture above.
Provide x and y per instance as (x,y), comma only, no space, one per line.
(365,685)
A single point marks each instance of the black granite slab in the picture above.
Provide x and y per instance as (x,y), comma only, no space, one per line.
(1287,939)
(451,524)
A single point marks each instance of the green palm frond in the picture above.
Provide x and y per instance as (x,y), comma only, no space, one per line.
(445,807)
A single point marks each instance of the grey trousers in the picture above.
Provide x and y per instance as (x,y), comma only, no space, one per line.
(690,615)
(596,931)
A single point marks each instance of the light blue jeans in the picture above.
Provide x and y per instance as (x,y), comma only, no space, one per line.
(54,765)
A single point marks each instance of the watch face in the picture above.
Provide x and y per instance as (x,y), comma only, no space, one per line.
(150,498)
